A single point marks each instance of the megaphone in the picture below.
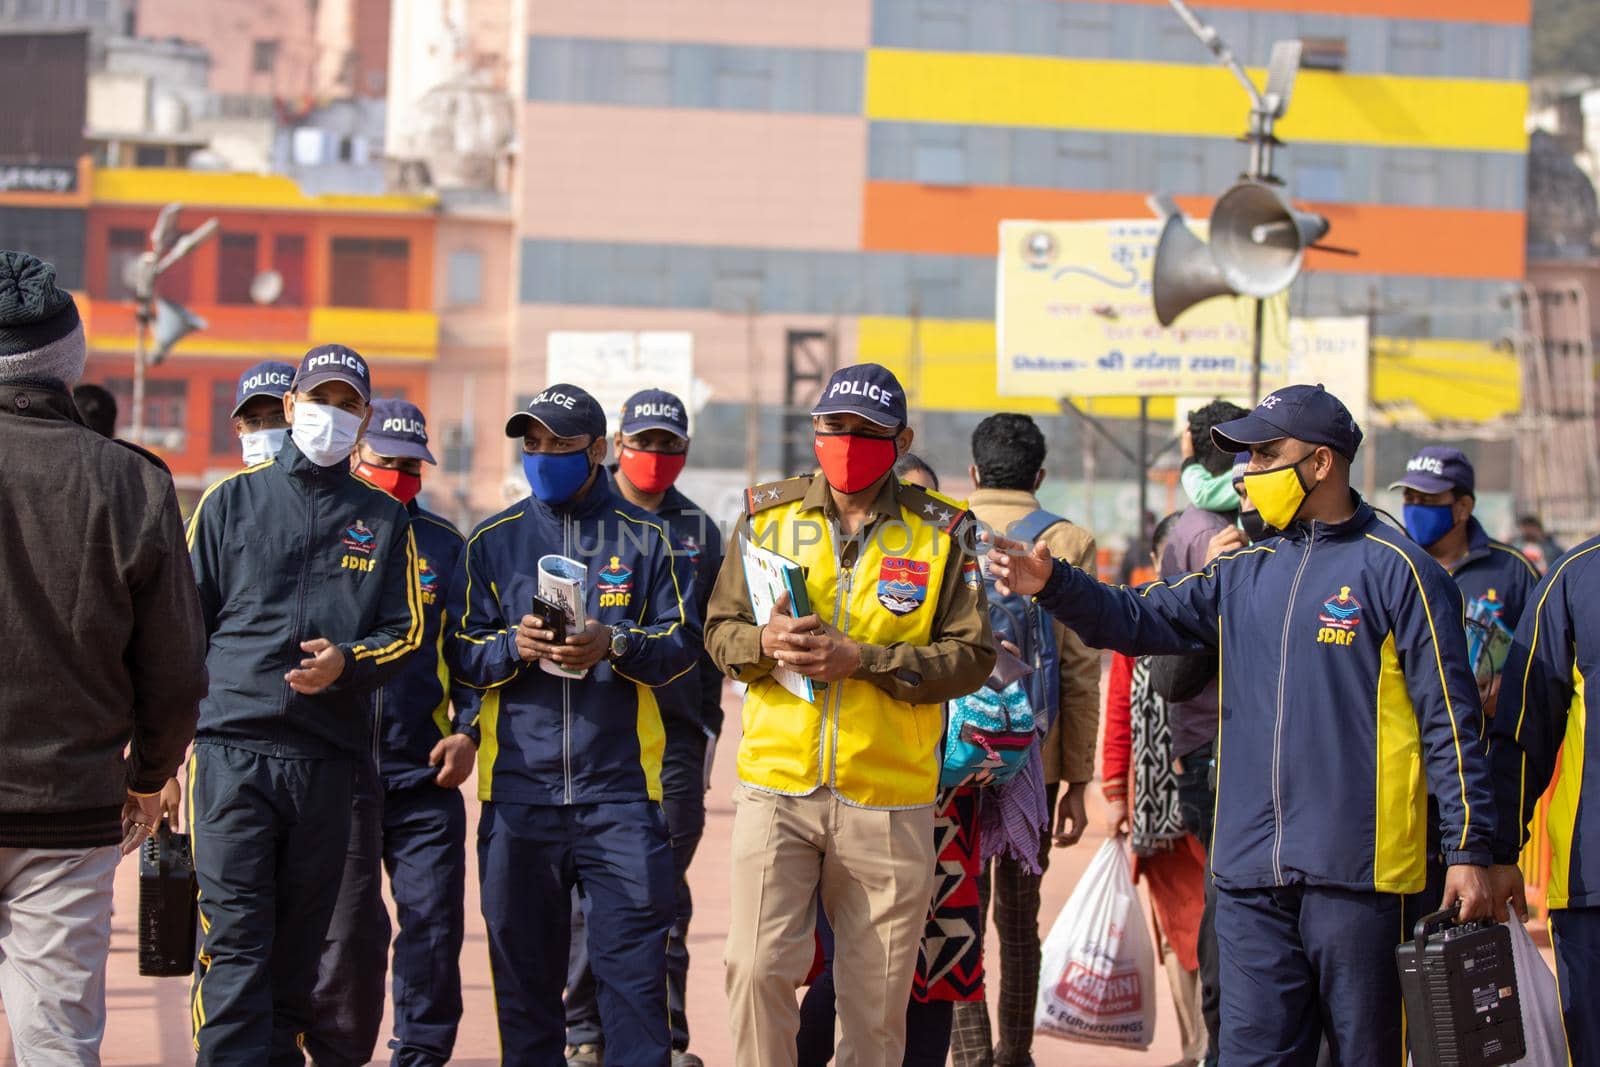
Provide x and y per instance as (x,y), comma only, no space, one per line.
(1258,239)
(173,323)
(1184,273)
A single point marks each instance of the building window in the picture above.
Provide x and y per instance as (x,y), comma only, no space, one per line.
(166,410)
(236,267)
(223,440)
(123,247)
(289,260)
(264,57)
(464,278)
(151,155)
(369,272)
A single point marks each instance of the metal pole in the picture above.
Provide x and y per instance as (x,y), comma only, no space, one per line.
(1255,350)
(1144,468)
(141,316)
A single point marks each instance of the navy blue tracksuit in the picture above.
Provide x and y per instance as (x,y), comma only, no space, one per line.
(284,552)
(570,770)
(1345,698)
(406,824)
(1542,726)
(691,712)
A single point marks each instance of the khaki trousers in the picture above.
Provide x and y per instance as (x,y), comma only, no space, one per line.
(875,871)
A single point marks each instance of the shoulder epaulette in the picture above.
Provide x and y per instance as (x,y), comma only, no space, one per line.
(933,507)
(771,494)
(146,453)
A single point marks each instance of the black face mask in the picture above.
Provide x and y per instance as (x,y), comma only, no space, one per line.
(1255,527)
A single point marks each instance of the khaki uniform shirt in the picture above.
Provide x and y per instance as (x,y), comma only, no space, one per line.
(953,664)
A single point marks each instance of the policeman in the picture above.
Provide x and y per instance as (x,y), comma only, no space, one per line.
(258,418)
(1495,579)
(838,791)
(308,581)
(408,816)
(572,738)
(652,448)
(1541,731)
(1343,675)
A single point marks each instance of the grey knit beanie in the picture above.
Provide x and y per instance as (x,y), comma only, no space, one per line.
(41,337)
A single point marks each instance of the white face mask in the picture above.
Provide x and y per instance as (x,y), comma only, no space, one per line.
(325,434)
(259,446)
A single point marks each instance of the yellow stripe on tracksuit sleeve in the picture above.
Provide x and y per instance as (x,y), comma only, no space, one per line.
(652,740)
(194,519)
(466,606)
(676,592)
(441,714)
(1563,817)
(489,742)
(1527,669)
(413,639)
(1444,688)
(1400,833)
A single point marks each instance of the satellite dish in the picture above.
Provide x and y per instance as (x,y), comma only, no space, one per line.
(266,287)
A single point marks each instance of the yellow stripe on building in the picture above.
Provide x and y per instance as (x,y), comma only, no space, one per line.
(1172,98)
(376,332)
(949,365)
(259,192)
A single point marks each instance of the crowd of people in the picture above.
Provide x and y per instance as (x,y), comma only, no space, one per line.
(1307,743)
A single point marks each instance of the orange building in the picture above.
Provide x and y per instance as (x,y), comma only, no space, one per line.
(358,270)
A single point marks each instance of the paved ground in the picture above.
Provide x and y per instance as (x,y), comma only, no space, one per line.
(149,1018)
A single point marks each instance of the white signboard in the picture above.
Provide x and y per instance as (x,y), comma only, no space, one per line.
(614,366)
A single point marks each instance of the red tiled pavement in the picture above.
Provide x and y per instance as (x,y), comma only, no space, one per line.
(149,1018)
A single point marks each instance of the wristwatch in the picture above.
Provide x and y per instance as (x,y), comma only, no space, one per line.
(621,641)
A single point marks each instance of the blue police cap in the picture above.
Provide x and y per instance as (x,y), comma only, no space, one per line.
(269,378)
(565,410)
(655,409)
(398,431)
(334,363)
(865,389)
(1306,412)
(1436,469)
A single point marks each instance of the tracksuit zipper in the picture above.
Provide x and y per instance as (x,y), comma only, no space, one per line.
(566,686)
(300,593)
(1277,729)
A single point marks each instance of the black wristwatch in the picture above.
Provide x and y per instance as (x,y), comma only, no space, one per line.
(621,641)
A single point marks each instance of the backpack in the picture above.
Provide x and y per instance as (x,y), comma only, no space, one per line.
(994,729)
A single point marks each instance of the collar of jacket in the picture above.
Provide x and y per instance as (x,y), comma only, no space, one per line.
(35,399)
(1477,542)
(1356,524)
(601,495)
(296,465)
(1003,498)
(820,495)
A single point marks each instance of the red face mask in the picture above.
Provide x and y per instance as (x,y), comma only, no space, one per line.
(651,472)
(397,483)
(853,461)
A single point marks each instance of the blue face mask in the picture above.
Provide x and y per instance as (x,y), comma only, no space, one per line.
(555,478)
(1426,523)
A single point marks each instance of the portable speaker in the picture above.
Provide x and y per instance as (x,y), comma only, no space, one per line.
(168,907)
(1460,987)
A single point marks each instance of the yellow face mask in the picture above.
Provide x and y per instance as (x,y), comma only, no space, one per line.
(1278,493)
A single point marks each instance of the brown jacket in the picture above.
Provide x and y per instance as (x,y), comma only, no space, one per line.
(1069,748)
(101,642)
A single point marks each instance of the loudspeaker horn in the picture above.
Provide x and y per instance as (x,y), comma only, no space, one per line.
(1184,273)
(1259,240)
(173,322)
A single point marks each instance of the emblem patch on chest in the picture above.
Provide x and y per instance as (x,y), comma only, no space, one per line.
(616,585)
(1340,615)
(358,537)
(902,585)
(429,582)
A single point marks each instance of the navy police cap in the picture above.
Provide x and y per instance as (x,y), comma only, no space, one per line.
(564,410)
(1307,413)
(865,389)
(270,378)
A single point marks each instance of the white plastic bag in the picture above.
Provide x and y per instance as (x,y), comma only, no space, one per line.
(1541,1002)
(1097,982)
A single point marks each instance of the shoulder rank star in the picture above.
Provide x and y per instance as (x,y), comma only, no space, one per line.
(941,515)
(771,494)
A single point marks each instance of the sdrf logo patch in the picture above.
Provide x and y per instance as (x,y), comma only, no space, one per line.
(359,541)
(1340,616)
(616,585)
(902,585)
